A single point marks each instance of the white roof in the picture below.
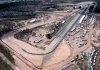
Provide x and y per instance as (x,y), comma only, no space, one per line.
(80,21)
(73,28)
(51,32)
(33,20)
(38,40)
(63,21)
(81,43)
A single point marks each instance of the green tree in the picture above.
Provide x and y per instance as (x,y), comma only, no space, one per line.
(48,36)
(91,8)
(7,53)
(4,65)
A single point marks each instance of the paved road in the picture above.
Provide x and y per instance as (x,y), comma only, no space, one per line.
(54,44)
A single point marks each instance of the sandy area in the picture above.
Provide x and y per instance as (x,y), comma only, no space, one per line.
(62,52)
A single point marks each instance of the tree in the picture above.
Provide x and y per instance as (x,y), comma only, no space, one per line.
(91,8)
(4,65)
(48,36)
(80,7)
(97,9)
(7,53)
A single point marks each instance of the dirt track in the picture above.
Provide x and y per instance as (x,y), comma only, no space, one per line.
(16,45)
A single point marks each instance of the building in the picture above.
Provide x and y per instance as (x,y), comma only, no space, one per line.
(38,40)
(83,16)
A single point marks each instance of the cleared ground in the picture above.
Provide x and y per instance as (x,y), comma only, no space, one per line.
(39,60)
(70,67)
(17,44)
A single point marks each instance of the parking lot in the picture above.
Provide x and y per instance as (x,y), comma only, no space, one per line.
(78,37)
